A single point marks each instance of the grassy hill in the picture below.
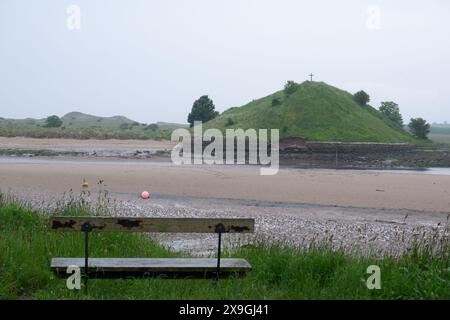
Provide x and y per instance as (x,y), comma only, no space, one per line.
(316,111)
(83,126)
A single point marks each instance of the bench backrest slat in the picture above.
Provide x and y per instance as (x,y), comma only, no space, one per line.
(172,225)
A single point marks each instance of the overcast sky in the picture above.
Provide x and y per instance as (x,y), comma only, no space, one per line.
(149,60)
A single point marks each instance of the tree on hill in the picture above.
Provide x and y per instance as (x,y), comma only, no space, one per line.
(391,110)
(53,122)
(419,127)
(202,110)
(362,98)
(290,87)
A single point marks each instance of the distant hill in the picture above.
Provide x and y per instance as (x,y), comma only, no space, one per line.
(78,118)
(440,128)
(316,111)
(171,126)
(83,126)
(440,132)
(75,118)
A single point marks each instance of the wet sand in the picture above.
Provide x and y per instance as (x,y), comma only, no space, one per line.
(34,144)
(347,188)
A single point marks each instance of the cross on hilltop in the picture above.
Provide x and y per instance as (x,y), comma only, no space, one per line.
(311,76)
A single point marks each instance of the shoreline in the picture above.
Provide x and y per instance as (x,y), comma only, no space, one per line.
(165,161)
(160,150)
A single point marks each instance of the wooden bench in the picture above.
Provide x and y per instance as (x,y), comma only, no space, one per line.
(153,267)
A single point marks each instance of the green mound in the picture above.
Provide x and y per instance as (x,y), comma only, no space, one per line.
(316,111)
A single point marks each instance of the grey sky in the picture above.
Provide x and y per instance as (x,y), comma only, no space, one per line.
(149,60)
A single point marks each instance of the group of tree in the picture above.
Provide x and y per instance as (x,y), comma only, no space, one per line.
(417,126)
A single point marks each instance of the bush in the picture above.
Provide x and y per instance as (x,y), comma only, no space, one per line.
(125,126)
(152,127)
(290,87)
(53,122)
(276,102)
(362,98)
(230,122)
(419,127)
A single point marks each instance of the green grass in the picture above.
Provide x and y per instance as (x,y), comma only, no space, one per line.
(316,111)
(83,126)
(279,272)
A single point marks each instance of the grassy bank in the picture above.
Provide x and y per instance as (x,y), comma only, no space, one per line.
(26,247)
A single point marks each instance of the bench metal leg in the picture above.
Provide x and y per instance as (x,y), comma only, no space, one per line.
(86,260)
(86,228)
(218,257)
(220,228)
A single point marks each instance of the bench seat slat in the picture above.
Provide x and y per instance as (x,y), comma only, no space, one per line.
(155,266)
